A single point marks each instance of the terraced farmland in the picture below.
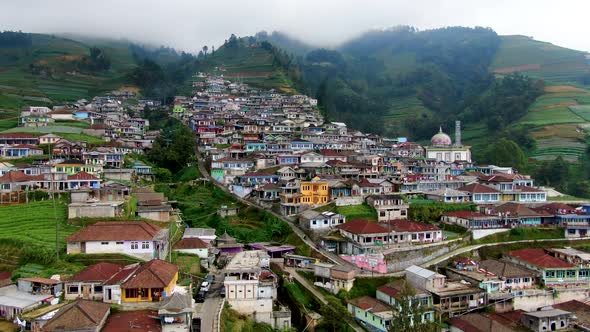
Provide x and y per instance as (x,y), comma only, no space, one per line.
(19,86)
(540,60)
(559,121)
(35,223)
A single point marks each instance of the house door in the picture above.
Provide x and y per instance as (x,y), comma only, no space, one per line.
(108,294)
(553,326)
(83,247)
(86,292)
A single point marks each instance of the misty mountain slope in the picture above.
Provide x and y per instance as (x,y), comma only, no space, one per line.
(43,69)
(406,82)
(252,62)
(541,60)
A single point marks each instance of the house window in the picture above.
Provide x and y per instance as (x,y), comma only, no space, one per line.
(104,243)
(119,242)
(145,245)
(98,289)
(131,292)
(73,289)
(134,245)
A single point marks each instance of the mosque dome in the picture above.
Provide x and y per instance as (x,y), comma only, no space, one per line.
(441,139)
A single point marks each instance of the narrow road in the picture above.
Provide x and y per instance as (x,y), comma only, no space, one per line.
(330,256)
(311,288)
(469,248)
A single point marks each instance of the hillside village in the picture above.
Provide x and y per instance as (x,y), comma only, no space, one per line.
(385,231)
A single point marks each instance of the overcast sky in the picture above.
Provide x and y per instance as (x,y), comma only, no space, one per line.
(189,24)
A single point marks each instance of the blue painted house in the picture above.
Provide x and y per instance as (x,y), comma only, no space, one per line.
(252,179)
(255,146)
(288,159)
(301,145)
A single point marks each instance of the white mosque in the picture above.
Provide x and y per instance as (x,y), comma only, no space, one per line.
(443,149)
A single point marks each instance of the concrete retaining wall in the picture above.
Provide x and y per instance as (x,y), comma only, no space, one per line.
(479,233)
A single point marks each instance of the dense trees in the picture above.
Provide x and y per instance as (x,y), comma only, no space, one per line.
(15,39)
(97,61)
(175,146)
(506,152)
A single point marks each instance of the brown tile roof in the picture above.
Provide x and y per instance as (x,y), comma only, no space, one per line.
(14,176)
(97,272)
(515,210)
(26,146)
(478,188)
(40,280)
(130,321)
(538,257)
(411,226)
(153,274)
(82,176)
(362,227)
(495,178)
(368,303)
(580,309)
(465,214)
(79,315)
(116,231)
(505,269)
(190,243)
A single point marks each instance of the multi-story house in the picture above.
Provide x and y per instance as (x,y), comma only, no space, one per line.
(553,271)
(389,207)
(251,288)
(449,297)
(314,192)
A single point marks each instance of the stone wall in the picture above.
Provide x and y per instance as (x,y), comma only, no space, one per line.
(399,261)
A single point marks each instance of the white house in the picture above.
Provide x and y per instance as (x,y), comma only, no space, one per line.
(193,246)
(134,238)
(315,221)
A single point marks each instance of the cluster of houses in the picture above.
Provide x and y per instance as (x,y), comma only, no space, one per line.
(278,151)
(34,303)
(469,287)
(76,164)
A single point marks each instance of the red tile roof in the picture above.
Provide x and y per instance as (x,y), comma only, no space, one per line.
(82,176)
(14,176)
(478,188)
(81,315)
(26,146)
(97,272)
(465,214)
(190,243)
(40,280)
(411,226)
(130,321)
(116,231)
(515,210)
(368,303)
(153,274)
(362,227)
(538,257)
(495,178)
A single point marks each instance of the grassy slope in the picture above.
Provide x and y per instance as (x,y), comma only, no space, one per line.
(35,222)
(18,87)
(557,122)
(250,65)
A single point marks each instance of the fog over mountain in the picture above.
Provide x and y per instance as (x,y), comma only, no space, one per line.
(188,25)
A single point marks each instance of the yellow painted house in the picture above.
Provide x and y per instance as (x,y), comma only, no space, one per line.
(149,282)
(314,192)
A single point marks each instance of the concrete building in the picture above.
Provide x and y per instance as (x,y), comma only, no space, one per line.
(546,320)
(389,207)
(251,288)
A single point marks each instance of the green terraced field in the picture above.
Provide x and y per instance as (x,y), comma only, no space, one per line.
(582,111)
(35,223)
(549,62)
(549,116)
(20,87)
